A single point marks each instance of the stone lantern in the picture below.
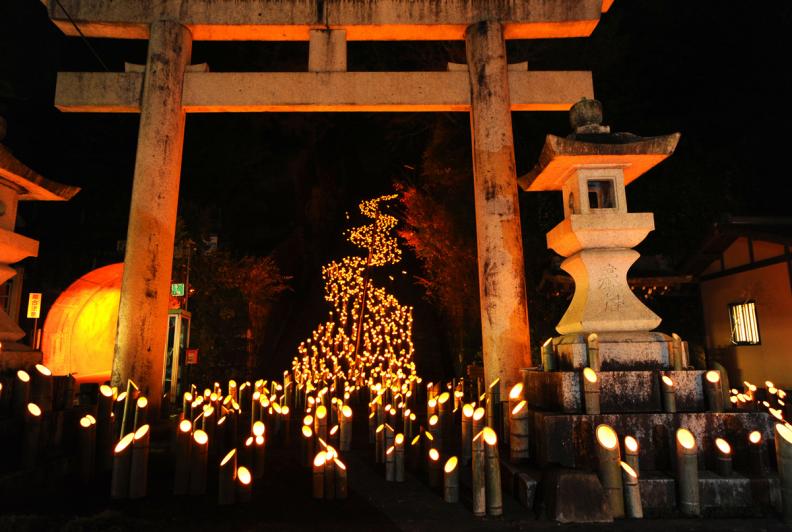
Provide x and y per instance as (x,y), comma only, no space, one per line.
(591,167)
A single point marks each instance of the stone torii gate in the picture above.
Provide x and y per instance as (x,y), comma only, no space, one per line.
(167,88)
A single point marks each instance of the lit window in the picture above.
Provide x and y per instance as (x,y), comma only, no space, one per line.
(744,324)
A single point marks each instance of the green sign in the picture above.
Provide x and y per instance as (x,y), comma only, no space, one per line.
(177,289)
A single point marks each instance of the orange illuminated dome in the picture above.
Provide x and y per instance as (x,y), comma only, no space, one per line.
(79,332)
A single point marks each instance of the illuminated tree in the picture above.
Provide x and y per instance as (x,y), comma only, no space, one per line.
(368,335)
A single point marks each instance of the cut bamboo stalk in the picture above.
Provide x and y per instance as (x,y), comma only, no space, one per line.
(723,457)
(104,428)
(318,474)
(398,444)
(478,421)
(379,448)
(783,445)
(757,454)
(669,394)
(609,458)
(122,464)
(467,431)
(436,432)
(632,493)
(415,453)
(138,477)
(259,457)
(341,486)
(591,391)
(32,436)
(41,391)
(494,408)
(592,352)
(677,352)
(492,473)
(226,479)
(519,432)
(451,480)
(307,445)
(320,422)
(198,458)
(87,444)
(181,477)
(141,413)
(372,424)
(244,484)
(548,356)
(444,412)
(714,390)
(346,428)
(21,394)
(687,473)
(515,396)
(631,453)
(433,459)
(329,473)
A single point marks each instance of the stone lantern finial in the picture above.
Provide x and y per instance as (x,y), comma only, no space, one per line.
(585,117)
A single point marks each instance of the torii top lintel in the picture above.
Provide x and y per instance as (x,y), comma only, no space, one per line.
(291,20)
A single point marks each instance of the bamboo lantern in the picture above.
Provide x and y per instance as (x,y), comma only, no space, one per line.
(244,483)
(548,356)
(138,478)
(783,444)
(32,433)
(451,480)
(592,350)
(307,444)
(87,439)
(515,396)
(341,483)
(233,390)
(436,432)
(431,407)
(467,431)
(723,457)
(669,394)
(632,493)
(226,478)
(379,449)
(198,458)
(631,452)
(494,416)
(591,391)
(181,478)
(757,454)
(494,496)
(372,424)
(329,473)
(380,409)
(415,452)
(259,455)
(609,458)
(444,405)
(320,422)
(41,387)
(255,408)
(687,473)
(398,444)
(318,474)
(714,390)
(122,464)
(21,395)
(434,468)
(519,428)
(209,426)
(245,397)
(390,464)
(478,421)
(346,428)
(104,427)
(141,413)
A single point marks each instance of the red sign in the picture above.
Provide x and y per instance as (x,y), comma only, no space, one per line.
(191,357)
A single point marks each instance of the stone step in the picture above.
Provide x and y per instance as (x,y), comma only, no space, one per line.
(568,439)
(617,350)
(620,391)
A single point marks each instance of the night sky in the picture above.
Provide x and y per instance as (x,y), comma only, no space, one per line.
(714,71)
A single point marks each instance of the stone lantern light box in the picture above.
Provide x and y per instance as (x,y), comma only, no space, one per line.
(592,167)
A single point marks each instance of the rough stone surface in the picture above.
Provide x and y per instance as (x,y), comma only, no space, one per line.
(617,350)
(520,483)
(575,497)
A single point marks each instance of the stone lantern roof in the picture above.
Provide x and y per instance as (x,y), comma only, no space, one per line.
(592,144)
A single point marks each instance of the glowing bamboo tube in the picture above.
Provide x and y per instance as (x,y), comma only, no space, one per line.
(592,352)
(494,409)
(714,390)
(346,428)
(431,407)
(548,356)
(41,387)
(631,453)
(226,478)
(21,395)
(320,422)
(519,429)
(31,435)
(104,427)
(591,391)
(307,444)
(415,453)
(141,412)
(379,449)
(723,457)
(255,408)
(677,352)
(398,445)
(444,405)
(478,421)
(198,458)
(233,390)
(669,394)
(687,473)
(632,493)
(492,473)
(436,432)
(259,457)
(433,459)
(757,454)
(783,445)
(341,487)
(372,425)
(244,484)
(467,431)
(138,476)
(87,439)
(122,463)
(209,426)
(181,477)
(609,457)
(451,480)
(329,473)
(318,474)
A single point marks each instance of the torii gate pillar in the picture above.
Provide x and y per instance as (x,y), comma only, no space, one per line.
(504,304)
(145,287)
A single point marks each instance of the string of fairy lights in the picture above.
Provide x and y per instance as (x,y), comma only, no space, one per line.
(367,338)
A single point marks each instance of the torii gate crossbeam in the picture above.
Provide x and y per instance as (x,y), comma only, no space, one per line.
(166,89)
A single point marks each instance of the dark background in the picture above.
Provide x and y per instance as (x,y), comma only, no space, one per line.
(281,183)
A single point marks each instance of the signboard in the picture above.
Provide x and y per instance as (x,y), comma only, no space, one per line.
(34,305)
(191,357)
(177,289)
